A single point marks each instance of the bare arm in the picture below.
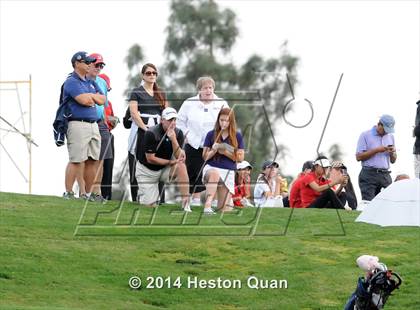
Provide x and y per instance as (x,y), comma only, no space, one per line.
(99,99)
(85,99)
(268,194)
(320,188)
(240,154)
(248,188)
(208,153)
(135,116)
(279,187)
(343,184)
(369,153)
(392,154)
(175,146)
(152,159)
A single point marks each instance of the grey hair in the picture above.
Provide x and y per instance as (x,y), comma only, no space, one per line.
(204,79)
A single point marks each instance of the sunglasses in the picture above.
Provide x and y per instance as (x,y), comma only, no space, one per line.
(85,62)
(149,73)
(101,65)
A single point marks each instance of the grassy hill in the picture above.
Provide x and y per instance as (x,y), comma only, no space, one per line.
(57,254)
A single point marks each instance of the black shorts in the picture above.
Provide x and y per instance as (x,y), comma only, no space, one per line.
(195,164)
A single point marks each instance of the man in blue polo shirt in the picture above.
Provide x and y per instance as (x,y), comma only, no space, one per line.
(83,138)
(376,150)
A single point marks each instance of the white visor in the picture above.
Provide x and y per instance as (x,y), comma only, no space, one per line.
(324,163)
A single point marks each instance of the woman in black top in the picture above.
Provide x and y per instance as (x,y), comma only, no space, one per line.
(146,105)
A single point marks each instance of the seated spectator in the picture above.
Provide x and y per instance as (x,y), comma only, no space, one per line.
(317,192)
(162,158)
(223,147)
(242,185)
(296,186)
(267,189)
(282,187)
(345,191)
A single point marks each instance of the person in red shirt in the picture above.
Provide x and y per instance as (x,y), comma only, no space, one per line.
(111,121)
(294,196)
(242,185)
(316,191)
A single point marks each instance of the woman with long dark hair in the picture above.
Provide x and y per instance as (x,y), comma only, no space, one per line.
(146,104)
(223,148)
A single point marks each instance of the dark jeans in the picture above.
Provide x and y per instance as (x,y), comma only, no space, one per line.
(371,181)
(328,199)
(194,163)
(106,184)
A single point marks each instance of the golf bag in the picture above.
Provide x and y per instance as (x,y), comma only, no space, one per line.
(373,291)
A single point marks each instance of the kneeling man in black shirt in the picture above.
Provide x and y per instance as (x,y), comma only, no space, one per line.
(162,159)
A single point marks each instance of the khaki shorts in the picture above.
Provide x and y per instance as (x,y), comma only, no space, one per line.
(148,180)
(83,141)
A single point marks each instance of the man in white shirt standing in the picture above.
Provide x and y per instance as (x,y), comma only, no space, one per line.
(196,118)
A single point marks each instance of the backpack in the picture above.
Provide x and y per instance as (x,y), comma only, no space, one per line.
(127,121)
(61,120)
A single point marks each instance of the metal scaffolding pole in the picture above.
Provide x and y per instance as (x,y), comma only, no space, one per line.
(27,133)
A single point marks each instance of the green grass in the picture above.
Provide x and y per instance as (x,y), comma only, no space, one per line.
(44,265)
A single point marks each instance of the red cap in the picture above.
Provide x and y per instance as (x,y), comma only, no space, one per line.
(98,57)
(107,80)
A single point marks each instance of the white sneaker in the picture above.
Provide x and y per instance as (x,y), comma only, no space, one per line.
(214,204)
(250,205)
(195,202)
(245,202)
(208,211)
(187,207)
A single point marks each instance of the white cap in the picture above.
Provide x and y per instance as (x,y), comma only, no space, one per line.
(243,164)
(169,113)
(324,163)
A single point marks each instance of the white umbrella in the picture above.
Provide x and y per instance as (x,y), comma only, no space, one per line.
(396,205)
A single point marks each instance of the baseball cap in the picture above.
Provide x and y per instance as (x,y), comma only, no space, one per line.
(169,113)
(388,122)
(98,58)
(324,163)
(269,163)
(107,80)
(79,56)
(307,165)
(338,164)
(243,164)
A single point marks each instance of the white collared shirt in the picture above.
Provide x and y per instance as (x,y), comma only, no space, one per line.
(196,118)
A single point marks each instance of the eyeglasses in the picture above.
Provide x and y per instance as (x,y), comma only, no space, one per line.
(101,65)
(85,62)
(149,73)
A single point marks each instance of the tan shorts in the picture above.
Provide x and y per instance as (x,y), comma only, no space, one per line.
(83,141)
(148,180)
